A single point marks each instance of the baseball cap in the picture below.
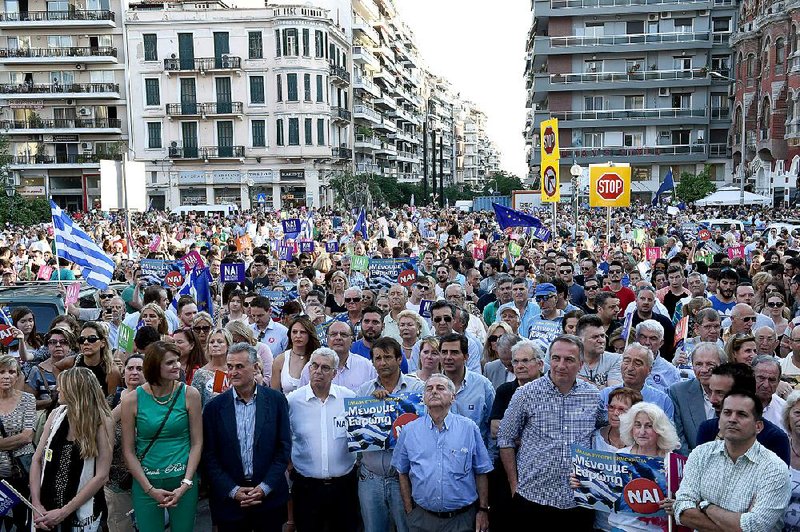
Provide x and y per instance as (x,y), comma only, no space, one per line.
(508,306)
(544,289)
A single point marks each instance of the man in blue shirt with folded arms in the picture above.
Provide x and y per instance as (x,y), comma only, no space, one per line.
(443,466)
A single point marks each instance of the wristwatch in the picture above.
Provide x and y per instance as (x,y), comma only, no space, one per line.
(483,509)
(187,482)
(703,506)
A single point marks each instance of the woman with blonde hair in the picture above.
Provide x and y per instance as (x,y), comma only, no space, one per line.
(410,325)
(496,330)
(741,348)
(153,315)
(243,333)
(202,323)
(72,461)
(430,358)
(334,301)
(95,354)
(210,379)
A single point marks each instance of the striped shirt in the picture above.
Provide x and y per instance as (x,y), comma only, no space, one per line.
(245,430)
(756,485)
(547,423)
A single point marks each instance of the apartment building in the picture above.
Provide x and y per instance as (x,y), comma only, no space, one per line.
(244,106)
(62,95)
(766,91)
(633,81)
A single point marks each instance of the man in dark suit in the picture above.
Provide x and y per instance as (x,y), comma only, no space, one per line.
(690,397)
(246,449)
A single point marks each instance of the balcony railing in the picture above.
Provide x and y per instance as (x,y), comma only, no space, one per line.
(638,75)
(364,82)
(720,113)
(211,108)
(371,141)
(341,113)
(340,72)
(718,150)
(626,114)
(369,111)
(206,152)
(557,4)
(57,88)
(227,62)
(43,16)
(635,38)
(69,51)
(63,123)
(64,158)
(634,151)
(342,153)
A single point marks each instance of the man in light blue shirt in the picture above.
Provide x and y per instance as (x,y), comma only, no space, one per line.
(265,330)
(443,466)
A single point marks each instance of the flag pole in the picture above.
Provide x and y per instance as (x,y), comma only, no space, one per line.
(55,244)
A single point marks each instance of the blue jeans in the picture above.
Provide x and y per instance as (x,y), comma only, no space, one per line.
(381,503)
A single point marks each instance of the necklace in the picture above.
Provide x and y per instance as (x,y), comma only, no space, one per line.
(169,397)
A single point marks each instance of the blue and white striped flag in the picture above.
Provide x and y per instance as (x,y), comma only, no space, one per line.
(75,245)
(307,228)
(4,317)
(198,285)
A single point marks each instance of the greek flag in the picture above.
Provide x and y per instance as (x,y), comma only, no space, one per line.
(75,245)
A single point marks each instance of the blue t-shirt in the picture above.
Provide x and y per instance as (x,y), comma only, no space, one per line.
(360,349)
(723,308)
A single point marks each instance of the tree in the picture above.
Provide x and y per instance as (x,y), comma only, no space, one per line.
(502,183)
(693,187)
(18,210)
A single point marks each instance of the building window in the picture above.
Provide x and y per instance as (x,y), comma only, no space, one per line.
(321,131)
(154,135)
(151,92)
(307,87)
(150,46)
(319,44)
(279,132)
(306,43)
(634,102)
(593,103)
(290,44)
(594,29)
(634,27)
(256,89)
(278,43)
(255,45)
(633,140)
(721,25)
(259,133)
(294,132)
(308,131)
(279,87)
(780,55)
(593,140)
(682,63)
(683,25)
(291,88)
(320,89)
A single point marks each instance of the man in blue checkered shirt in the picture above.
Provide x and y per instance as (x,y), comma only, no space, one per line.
(544,419)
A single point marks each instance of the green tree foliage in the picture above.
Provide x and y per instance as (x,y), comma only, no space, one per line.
(505,183)
(693,187)
(18,210)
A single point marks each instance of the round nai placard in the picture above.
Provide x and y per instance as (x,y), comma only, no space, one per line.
(401,420)
(174,279)
(643,495)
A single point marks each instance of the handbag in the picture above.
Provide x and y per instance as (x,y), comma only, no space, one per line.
(18,469)
(128,482)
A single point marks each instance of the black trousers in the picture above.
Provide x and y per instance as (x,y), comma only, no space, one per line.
(501,515)
(330,505)
(576,519)
(271,520)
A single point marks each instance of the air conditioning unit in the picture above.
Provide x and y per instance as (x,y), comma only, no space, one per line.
(663,91)
(87,146)
(652,17)
(84,111)
(666,14)
(703,13)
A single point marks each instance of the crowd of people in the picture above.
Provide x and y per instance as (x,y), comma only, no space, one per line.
(659,336)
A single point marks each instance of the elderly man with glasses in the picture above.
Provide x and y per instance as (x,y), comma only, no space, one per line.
(743,319)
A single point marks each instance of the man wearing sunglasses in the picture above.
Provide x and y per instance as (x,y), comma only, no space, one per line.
(745,295)
(421,289)
(103,298)
(742,320)
(623,293)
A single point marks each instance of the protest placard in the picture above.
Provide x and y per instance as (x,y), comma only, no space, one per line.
(374,424)
(383,273)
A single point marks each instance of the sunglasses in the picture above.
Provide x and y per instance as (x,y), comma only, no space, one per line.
(564,271)
(748,318)
(57,342)
(614,272)
(201,328)
(590,287)
(543,298)
(91,339)
(775,304)
(439,319)
(352,300)
(106,296)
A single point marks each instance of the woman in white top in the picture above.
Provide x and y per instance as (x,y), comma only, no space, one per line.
(288,365)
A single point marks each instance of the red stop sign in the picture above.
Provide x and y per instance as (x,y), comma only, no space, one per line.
(610,186)
(549,140)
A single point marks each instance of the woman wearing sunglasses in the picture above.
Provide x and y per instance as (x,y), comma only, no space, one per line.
(775,308)
(496,330)
(201,326)
(94,353)
(41,380)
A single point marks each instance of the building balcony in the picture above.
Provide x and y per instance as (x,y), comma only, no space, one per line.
(360,82)
(386,148)
(717,150)
(408,177)
(366,113)
(202,64)
(563,8)
(403,136)
(342,152)
(621,43)
(367,168)
(367,142)
(631,117)
(206,152)
(32,91)
(63,160)
(406,156)
(62,125)
(341,114)
(385,101)
(388,79)
(362,26)
(339,74)
(78,18)
(205,109)
(363,56)
(720,113)
(69,54)
(668,153)
(386,124)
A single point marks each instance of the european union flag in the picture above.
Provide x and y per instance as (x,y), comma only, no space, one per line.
(361,224)
(667,186)
(510,218)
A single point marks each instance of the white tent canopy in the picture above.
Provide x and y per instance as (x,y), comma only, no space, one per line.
(731,196)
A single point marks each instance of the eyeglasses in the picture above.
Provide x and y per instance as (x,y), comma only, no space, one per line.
(201,328)
(543,298)
(747,318)
(439,319)
(614,272)
(106,296)
(91,339)
(316,367)
(564,271)
(352,300)
(246,304)
(775,304)
(55,343)
(423,287)
(523,361)
(590,287)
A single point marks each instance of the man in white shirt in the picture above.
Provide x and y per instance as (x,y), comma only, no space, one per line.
(768,375)
(325,483)
(353,370)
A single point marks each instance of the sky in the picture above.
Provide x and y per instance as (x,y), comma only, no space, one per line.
(480,48)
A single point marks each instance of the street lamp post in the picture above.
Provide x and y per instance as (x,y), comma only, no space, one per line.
(576,170)
(744,146)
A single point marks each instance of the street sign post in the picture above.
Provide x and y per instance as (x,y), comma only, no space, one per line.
(551,186)
(609,186)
